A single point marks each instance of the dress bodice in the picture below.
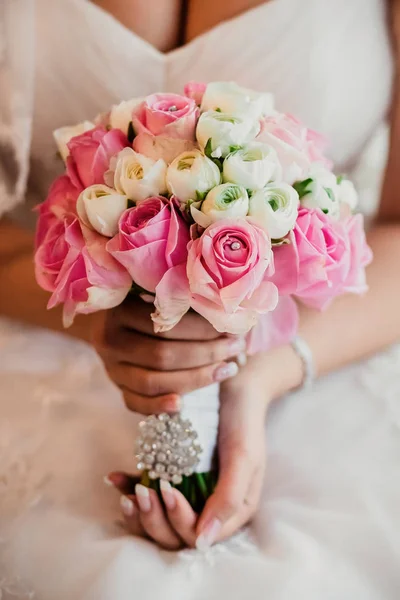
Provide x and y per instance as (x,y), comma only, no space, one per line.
(329,63)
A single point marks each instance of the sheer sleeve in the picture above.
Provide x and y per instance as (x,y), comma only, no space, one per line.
(16,98)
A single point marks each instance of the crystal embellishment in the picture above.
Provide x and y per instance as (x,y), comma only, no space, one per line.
(166,448)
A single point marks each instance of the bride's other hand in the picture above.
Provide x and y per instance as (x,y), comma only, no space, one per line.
(152,370)
(172,526)
(241,445)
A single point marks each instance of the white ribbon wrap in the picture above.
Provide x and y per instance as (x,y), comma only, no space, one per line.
(201,407)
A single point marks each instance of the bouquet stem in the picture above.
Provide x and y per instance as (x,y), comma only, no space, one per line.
(196,489)
(182,448)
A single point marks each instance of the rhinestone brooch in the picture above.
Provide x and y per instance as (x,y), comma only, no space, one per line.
(167,448)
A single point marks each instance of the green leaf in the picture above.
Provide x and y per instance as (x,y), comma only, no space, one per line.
(325,211)
(218,110)
(200,196)
(234,148)
(340,178)
(208,149)
(131,132)
(301,187)
(330,193)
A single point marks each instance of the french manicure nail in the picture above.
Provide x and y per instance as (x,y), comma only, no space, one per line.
(208,535)
(143,497)
(172,406)
(237,346)
(107,481)
(226,371)
(242,359)
(168,494)
(127,506)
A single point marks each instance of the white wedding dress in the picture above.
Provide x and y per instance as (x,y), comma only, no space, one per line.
(328,527)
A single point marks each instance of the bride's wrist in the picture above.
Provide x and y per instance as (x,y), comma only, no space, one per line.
(283,371)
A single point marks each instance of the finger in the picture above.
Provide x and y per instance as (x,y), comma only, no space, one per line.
(180,514)
(153,519)
(227,501)
(131,515)
(144,405)
(127,345)
(123,482)
(159,383)
(137,315)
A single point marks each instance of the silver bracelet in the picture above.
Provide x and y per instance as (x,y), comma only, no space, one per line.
(303,351)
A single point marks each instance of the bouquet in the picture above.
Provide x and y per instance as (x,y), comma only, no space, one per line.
(210,201)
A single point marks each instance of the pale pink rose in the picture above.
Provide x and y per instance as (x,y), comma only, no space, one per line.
(226,268)
(90,154)
(89,279)
(152,238)
(274,329)
(195,90)
(162,132)
(61,200)
(325,258)
(297,147)
(170,115)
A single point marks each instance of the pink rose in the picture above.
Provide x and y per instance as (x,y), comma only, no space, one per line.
(171,115)
(195,90)
(325,258)
(226,268)
(152,239)
(165,125)
(50,254)
(90,154)
(88,278)
(297,147)
(60,201)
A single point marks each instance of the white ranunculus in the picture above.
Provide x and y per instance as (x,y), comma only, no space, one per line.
(225,130)
(230,97)
(320,190)
(121,114)
(191,174)
(252,166)
(348,193)
(100,208)
(137,176)
(227,200)
(275,209)
(64,134)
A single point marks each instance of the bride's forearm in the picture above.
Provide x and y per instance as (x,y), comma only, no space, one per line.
(354,326)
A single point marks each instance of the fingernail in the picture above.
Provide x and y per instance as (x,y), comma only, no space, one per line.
(225,371)
(168,494)
(172,406)
(143,497)
(242,359)
(237,346)
(208,535)
(107,481)
(127,506)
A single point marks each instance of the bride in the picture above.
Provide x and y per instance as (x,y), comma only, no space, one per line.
(326,524)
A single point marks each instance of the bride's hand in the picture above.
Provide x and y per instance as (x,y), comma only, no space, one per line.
(151,370)
(242,458)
